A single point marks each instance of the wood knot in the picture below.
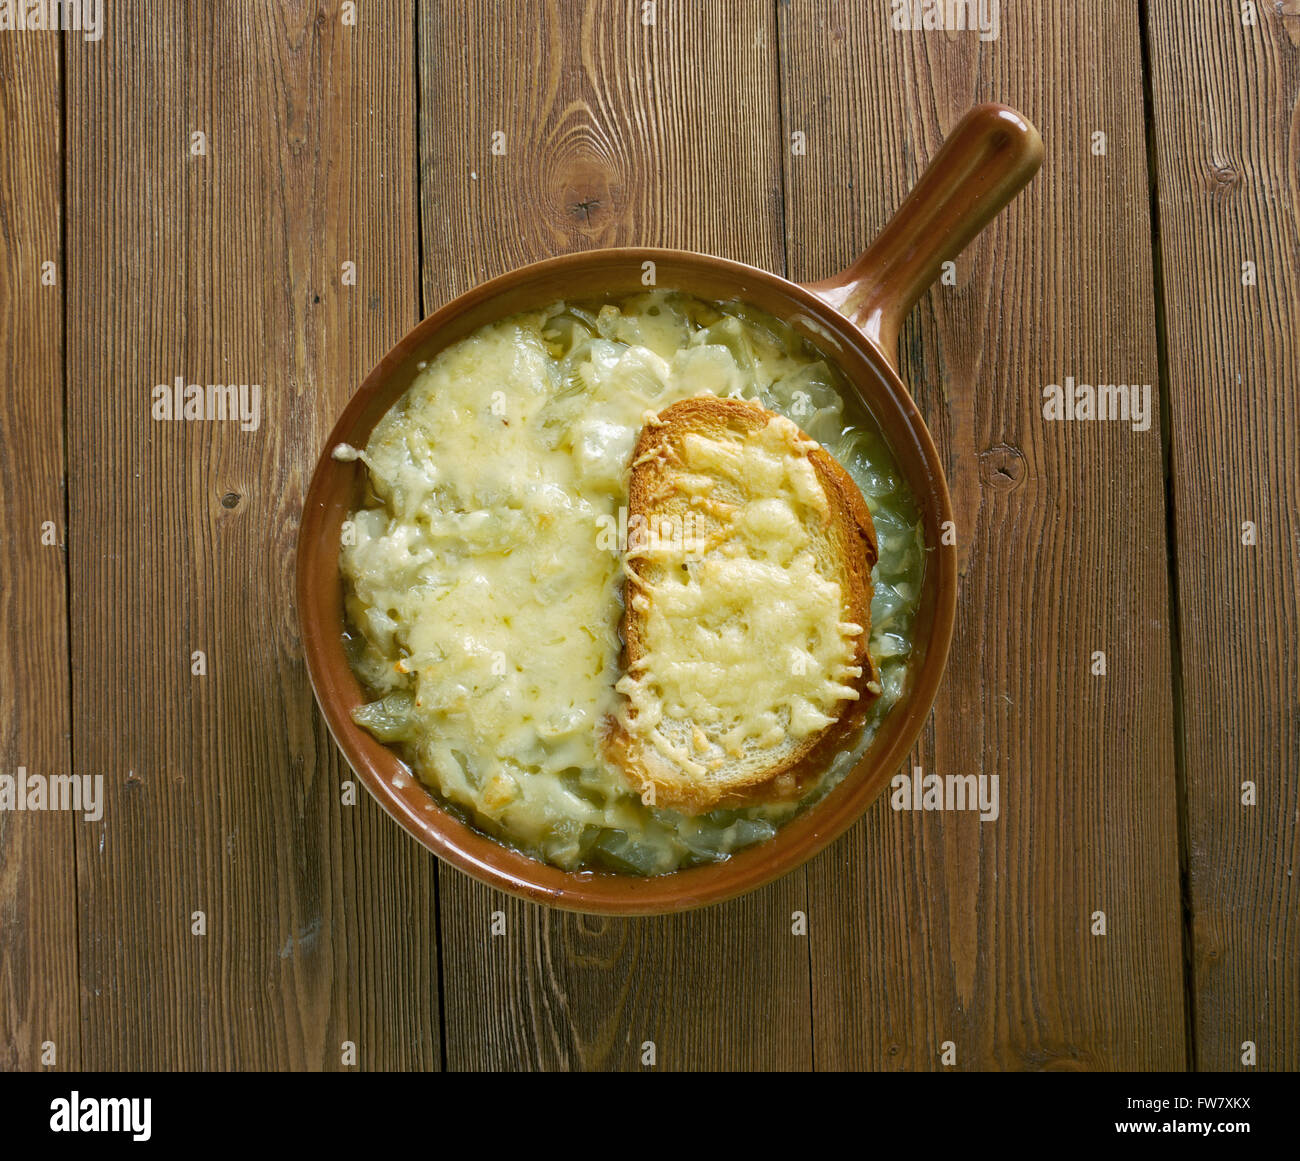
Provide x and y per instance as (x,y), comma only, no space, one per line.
(1222,181)
(593,926)
(584,185)
(1057,1058)
(584,193)
(595,941)
(1002,467)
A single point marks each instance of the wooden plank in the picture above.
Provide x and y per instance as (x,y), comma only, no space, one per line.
(226,267)
(931,929)
(615,132)
(38,917)
(1226,101)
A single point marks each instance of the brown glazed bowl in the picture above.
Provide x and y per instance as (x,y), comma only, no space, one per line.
(854,318)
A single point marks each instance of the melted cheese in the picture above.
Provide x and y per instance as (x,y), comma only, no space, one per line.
(485,576)
(746,646)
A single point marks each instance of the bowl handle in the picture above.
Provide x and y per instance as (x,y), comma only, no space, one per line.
(986,160)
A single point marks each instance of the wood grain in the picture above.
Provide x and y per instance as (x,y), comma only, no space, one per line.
(225,791)
(1227,124)
(931,929)
(38,919)
(615,132)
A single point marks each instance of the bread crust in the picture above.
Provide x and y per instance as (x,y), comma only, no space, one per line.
(848,523)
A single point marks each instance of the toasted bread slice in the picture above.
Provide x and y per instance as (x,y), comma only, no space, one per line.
(747,608)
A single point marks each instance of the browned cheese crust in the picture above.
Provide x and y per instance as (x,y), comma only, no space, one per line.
(848,537)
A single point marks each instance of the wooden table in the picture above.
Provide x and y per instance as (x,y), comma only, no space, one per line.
(351,177)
